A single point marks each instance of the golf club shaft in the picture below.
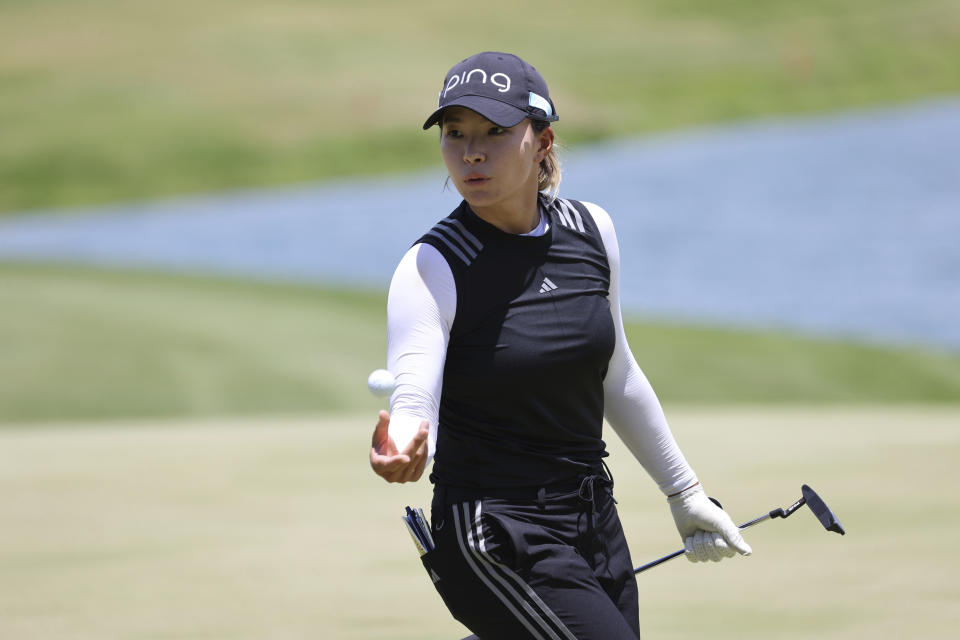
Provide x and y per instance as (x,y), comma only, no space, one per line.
(659,561)
(747,525)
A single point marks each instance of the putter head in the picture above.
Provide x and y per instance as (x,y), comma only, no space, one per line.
(822,511)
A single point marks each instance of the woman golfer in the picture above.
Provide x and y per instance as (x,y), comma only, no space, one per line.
(505,336)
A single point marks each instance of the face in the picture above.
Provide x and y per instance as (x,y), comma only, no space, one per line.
(492,167)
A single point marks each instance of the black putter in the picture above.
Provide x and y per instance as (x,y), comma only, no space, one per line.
(810,498)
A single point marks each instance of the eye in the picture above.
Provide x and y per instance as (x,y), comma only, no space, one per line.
(452,133)
(495,131)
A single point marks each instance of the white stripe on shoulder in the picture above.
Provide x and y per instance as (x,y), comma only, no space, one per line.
(450,245)
(452,234)
(572,213)
(562,214)
(464,232)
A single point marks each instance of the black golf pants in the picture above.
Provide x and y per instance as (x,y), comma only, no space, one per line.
(548,565)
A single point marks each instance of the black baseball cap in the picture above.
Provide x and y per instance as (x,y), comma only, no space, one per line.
(499,86)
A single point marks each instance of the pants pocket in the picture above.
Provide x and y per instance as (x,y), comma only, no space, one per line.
(501,542)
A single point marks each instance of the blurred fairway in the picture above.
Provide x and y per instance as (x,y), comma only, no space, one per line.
(105,100)
(94,344)
(277,529)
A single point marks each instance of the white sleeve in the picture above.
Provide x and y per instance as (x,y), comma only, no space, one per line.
(630,404)
(420,311)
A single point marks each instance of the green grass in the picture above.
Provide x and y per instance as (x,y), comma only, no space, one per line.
(95,344)
(106,100)
(278,529)
(715,366)
(82,343)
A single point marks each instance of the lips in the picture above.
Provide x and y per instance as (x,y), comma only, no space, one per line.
(475,179)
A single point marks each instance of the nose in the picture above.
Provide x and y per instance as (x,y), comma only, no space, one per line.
(473,154)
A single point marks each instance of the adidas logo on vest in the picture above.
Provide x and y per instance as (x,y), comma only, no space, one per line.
(547,286)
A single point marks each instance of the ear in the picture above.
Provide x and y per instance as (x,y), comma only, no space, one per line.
(545,144)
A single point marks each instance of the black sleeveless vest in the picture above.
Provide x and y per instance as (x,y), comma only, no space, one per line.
(522,399)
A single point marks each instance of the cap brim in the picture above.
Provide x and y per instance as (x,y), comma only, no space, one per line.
(499,113)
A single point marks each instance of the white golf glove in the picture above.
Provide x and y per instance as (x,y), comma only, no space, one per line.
(707,531)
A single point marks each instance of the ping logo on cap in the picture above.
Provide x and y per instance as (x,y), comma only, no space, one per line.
(500,80)
(499,86)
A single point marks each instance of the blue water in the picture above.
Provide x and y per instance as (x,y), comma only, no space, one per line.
(841,225)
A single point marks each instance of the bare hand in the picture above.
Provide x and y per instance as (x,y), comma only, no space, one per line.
(393,465)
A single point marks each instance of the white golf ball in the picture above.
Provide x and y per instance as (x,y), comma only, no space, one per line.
(381,383)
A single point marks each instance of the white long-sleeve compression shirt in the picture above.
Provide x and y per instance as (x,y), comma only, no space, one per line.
(420,312)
